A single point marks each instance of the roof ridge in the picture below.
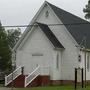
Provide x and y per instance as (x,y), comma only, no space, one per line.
(78,32)
(52,5)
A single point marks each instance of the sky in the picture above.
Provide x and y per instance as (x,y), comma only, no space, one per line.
(20,12)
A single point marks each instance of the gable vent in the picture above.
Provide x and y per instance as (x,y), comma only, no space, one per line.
(46,14)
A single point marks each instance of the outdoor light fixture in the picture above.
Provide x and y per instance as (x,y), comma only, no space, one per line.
(79,58)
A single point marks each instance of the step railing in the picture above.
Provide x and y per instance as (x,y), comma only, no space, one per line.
(32,76)
(13,76)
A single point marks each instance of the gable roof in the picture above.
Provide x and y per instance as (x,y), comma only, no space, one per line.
(77,31)
(50,35)
(79,28)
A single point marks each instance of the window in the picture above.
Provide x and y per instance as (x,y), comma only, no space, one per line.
(37,54)
(88,62)
(57,61)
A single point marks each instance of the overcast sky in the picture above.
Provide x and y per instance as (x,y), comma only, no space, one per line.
(18,12)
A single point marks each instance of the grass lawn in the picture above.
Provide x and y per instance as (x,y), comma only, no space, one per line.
(52,88)
(48,88)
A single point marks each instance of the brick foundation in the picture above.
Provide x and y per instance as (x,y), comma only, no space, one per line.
(55,82)
(62,82)
(41,81)
(34,83)
(18,82)
(67,82)
(88,82)
(44,80)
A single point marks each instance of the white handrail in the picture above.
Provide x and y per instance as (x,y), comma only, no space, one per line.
(33,71)
(32,76)
(13,76)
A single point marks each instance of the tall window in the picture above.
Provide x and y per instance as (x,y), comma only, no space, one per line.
(57,61)
(88,61)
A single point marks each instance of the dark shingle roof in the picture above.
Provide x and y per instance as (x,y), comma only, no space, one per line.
(50,35)
(78,31)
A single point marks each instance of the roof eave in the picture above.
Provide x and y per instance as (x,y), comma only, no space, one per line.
(27,29)
(86,50)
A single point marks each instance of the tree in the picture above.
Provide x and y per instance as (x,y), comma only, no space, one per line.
(87,10)
(8,39)
(13,36)
(5,52)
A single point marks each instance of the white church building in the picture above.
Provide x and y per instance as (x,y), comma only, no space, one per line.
(52,46)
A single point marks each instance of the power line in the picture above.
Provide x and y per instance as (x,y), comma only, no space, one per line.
(66,24)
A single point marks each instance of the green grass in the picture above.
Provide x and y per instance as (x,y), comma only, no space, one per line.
(48,88)
(53,88)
